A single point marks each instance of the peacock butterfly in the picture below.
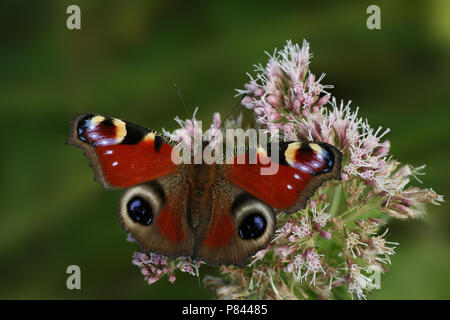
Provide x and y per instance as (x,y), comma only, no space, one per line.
(218,213)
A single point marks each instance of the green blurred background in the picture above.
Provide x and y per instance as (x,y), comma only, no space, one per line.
(124,62)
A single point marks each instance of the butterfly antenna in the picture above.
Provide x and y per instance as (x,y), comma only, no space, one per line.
(229,114)
(181,99)
(186,108)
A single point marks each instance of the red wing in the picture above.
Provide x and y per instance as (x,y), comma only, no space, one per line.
(302,169)
(169,223)
(122,154)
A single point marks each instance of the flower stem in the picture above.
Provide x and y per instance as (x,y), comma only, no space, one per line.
(335,200)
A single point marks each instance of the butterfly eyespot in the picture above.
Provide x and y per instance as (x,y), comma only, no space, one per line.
(140,205)
(140,211)
(255,219)
(252,226)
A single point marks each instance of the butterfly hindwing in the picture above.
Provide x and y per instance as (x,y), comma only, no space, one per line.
(155,214)
(121,154)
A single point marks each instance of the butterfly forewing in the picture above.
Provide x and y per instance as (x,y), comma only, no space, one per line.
(121,154)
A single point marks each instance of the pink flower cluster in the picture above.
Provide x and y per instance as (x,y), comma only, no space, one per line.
(191,131)
(339,245)
(285,89)
(155,266)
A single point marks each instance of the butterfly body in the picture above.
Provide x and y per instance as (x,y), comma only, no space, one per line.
(218,213)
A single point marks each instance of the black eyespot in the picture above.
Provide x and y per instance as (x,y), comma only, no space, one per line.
(253,226)
(140,211)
